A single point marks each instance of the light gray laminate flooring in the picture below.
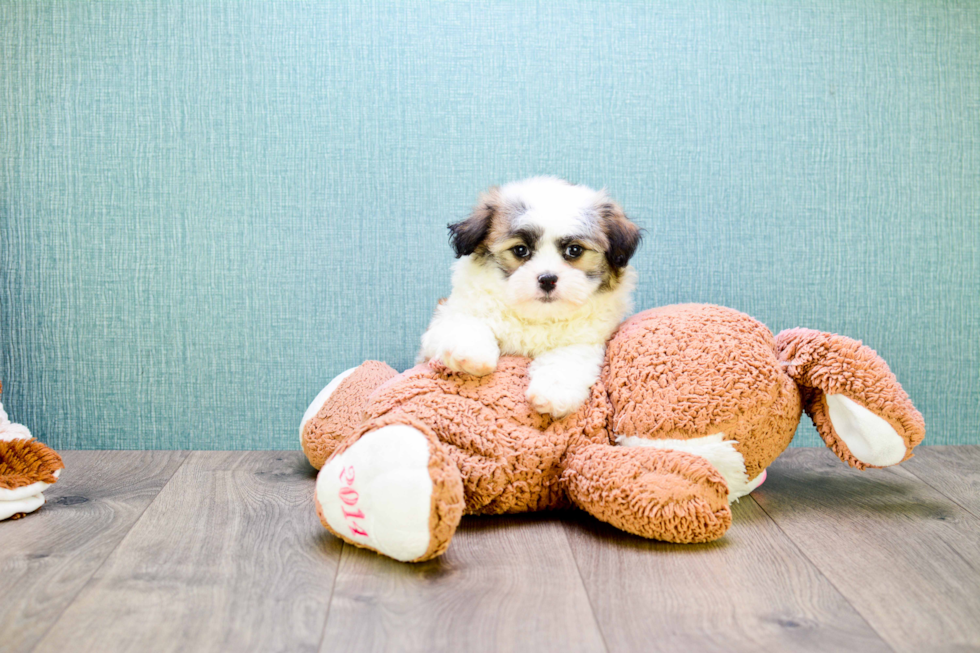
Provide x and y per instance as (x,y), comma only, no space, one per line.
(222,551)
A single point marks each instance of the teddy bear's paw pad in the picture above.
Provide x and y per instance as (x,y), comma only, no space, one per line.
(378,493)
(871,439)
(322,397)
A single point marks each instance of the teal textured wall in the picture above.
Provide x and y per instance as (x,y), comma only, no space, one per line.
(208,209)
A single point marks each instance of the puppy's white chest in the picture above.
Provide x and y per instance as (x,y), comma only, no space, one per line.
(522,338)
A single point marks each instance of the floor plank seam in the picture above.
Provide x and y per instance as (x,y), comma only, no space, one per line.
(88,581)
(578,569)
(823,575)
(333,587)
(945,494)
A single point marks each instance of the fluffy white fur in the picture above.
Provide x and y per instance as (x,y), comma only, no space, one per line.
(490,313)
(561,378)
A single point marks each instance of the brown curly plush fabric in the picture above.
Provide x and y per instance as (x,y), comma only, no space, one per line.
(508,459)
(655,493)
(25,462)
(674,373)
(340,415)
(693,370)
(824,363)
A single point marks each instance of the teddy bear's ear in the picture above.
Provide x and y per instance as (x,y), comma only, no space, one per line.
(623,236)
(467,235)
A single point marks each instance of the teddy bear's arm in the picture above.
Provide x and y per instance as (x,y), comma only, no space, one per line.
(655,493)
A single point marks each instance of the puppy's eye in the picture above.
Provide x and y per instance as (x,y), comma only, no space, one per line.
(520,251)
(573,251)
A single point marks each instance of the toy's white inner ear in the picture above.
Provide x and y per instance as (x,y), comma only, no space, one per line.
(870,438)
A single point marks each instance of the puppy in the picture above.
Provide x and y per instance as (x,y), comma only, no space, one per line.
(543,272)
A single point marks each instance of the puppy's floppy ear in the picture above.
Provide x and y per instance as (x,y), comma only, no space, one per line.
(623,236)
(467,235)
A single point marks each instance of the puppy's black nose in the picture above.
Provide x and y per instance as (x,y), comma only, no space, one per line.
(547,281)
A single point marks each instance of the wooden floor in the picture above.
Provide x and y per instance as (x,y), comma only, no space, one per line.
(201,551)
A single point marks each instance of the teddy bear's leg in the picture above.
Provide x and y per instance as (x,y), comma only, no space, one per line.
(854,400)
(657,493)
(392,488)
(723,455)
(336,412)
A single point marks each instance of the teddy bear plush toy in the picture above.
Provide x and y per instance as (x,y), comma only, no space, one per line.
(27,468)
(693,403)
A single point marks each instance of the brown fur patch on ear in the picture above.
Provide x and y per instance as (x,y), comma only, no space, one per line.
(623,236)
(466,236)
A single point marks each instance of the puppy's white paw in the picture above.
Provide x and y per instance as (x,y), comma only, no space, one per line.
(555,396)
(477,358)
(561,378)
(462,342)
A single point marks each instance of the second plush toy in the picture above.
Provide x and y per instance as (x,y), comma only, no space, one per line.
(693,403)
(27,468)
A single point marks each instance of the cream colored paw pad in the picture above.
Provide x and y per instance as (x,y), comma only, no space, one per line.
(870,438)
(378,492)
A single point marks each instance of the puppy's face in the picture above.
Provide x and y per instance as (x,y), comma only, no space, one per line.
(553,244)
